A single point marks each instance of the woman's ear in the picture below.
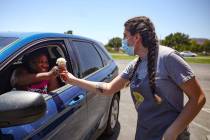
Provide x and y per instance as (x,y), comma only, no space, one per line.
(137,37)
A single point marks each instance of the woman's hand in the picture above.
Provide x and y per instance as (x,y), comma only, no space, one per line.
(169,135)
(67,77)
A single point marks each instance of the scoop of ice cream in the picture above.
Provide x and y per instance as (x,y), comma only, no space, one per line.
(61,62)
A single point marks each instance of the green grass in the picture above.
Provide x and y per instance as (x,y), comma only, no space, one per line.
(198,59)
(121,56)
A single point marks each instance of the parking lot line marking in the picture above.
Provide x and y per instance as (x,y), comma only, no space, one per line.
(206,110)
(201,126)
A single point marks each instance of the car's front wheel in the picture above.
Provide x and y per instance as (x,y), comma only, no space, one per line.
(113,115)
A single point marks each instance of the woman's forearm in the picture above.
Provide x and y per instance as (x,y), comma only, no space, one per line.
(196,101)
(188,113)
(98,87)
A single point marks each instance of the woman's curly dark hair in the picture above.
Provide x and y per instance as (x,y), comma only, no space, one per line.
(145,28)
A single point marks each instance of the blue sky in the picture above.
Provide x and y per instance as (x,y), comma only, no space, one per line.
(104,19)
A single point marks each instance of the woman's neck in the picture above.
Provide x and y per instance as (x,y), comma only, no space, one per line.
(142,52)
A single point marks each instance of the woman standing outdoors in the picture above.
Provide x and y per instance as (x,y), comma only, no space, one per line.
(158,80)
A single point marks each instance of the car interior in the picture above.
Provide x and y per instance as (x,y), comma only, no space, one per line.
(54,52)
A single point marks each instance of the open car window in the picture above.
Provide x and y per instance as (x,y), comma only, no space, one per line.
(54,50)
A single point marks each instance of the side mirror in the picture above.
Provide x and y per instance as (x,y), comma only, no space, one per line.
(20,107)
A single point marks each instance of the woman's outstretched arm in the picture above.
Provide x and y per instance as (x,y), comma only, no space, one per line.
(100,87)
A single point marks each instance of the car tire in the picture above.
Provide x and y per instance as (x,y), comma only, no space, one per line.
(113,116)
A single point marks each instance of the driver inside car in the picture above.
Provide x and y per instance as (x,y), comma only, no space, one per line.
(34,74)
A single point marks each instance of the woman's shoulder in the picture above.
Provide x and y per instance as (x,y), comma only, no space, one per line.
(169,54)
(164,55)
(165,51)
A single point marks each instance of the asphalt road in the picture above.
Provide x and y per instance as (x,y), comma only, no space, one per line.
(199,127)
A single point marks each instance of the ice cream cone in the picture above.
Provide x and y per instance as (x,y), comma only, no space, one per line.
(61,62)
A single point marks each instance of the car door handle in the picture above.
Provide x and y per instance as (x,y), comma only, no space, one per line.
(109,76)
(76,100)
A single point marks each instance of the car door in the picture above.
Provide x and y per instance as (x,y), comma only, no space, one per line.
(66,113)
(91,68)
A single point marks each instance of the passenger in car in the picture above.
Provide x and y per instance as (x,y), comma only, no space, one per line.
(158,80)
(34,74)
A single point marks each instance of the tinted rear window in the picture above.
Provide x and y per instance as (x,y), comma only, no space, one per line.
(4,41)
(104,56)
(90,60)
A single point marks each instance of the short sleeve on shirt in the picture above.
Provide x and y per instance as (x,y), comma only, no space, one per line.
(179,71)
(128,71)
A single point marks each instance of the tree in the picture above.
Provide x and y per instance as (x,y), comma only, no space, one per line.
(206,46)
(69,32)
(115,43)
(195,47)
(168,41)
(176,40)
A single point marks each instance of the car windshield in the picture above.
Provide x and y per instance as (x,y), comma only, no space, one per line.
(5,41)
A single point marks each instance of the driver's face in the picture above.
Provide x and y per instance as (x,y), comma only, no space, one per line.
(41,64)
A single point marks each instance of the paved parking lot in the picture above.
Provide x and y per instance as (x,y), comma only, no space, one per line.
(199,128)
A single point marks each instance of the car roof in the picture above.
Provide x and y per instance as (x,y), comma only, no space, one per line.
(38,35)
(26,37)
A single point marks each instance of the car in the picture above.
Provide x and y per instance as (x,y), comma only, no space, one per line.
(68,112)
(188,54)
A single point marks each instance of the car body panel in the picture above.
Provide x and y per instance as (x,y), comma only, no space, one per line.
(98,106)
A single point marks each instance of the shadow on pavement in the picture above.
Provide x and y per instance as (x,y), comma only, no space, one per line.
(112,137)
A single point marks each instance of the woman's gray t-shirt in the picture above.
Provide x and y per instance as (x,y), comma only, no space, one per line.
(171,72)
